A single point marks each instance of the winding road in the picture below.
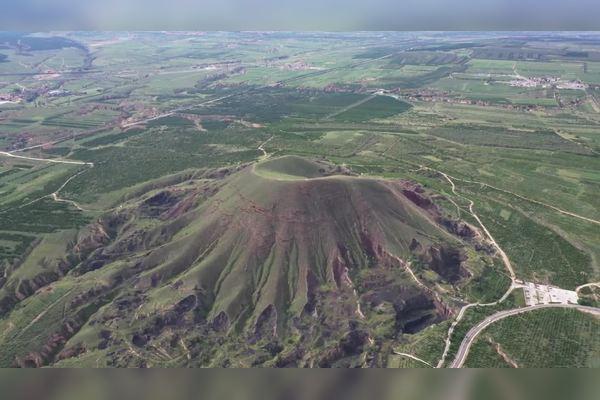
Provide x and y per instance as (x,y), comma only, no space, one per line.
(505,260)
(475,330)
(472,334)
(503,255)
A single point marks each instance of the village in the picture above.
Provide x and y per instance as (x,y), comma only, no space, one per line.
(547,82)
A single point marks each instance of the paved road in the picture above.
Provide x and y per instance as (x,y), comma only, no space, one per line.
(50,160)
(465,346)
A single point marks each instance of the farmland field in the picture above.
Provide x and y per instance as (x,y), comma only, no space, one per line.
(572,335)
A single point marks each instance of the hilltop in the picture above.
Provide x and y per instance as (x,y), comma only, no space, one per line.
(289,261)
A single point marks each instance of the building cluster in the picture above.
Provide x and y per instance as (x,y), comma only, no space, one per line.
(547,82)
(11,97)
(545,294)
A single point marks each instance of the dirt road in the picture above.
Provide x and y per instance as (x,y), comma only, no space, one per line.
(349,107)
(261,147)
(413,357)
(55,194)
(505,260)
(531,200)
(591,284)
(503,255)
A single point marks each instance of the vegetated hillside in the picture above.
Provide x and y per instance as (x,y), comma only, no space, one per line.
(288,262)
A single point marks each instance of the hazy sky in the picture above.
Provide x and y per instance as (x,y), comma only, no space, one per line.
(300,14)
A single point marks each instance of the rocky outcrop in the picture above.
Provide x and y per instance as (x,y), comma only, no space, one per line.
(447,262)
(461,228)
(266,325)
(352,342)
(54,343)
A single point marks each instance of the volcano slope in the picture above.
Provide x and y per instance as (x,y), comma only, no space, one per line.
(288,262)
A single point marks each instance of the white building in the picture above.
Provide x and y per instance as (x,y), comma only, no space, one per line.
(546,294)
